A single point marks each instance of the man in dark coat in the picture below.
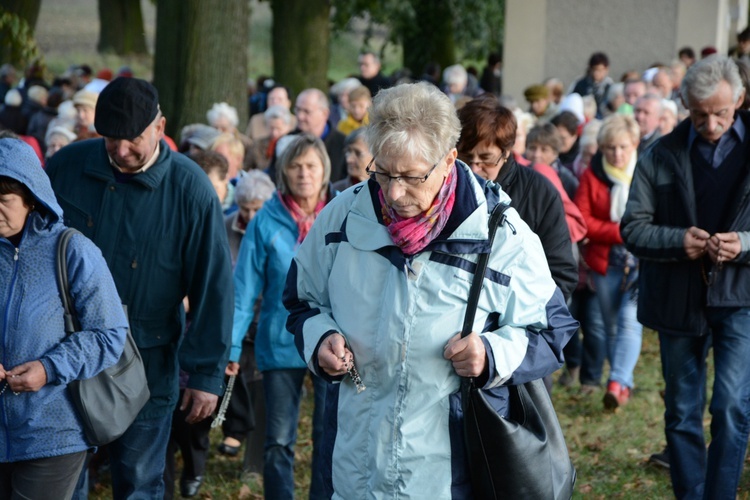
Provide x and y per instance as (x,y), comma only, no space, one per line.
(370,74)
(688,222)
(157,220)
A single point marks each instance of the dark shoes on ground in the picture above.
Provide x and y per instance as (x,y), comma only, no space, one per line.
(660,459)
(189,486)
(228,450)
(569,376)
(617,395)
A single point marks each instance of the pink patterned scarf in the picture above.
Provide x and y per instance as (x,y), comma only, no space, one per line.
(304,220)
(412,235)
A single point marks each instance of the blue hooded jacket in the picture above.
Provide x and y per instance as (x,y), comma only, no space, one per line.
(45,423)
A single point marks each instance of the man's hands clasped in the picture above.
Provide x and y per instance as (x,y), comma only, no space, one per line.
(721,247)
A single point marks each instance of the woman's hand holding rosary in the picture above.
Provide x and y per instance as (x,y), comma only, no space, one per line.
(336,359)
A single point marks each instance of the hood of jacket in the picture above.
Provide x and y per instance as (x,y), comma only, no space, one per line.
(18,161)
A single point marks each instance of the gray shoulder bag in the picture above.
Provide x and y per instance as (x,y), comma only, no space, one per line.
(109,402)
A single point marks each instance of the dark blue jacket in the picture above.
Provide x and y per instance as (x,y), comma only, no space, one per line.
(162,235)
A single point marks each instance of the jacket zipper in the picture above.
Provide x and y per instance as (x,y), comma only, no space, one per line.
(5,347)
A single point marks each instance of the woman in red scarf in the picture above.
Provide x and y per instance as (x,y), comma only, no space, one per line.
(271,240)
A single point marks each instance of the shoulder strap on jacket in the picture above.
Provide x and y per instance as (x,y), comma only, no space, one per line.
(497,218)
(71,321)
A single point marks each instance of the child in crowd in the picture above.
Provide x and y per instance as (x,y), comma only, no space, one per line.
(360,101)
(543,145)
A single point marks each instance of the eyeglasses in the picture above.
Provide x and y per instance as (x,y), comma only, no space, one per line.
(384,179)
(481,163)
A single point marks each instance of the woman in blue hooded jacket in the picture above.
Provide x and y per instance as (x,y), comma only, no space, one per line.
(42,443)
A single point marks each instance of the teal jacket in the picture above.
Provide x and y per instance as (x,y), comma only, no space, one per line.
(267,249)
(162,235)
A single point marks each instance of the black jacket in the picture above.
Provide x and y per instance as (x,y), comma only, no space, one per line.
(538,203)
(672,292)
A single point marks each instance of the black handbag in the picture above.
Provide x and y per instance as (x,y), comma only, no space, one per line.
(522,456)
(109,402)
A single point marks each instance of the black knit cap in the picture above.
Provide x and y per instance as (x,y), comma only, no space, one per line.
(125,108)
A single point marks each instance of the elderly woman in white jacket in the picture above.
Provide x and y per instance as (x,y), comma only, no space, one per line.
(381,284)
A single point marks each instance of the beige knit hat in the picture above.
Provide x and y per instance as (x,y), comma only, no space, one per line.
(85,98)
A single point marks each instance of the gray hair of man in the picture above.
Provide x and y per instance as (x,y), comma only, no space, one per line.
(296,148)
(615,90)
(320,98)
(344,86)
(253,185)
(651,96)
(455,74)
(277,112)
(703,77)
(415,120)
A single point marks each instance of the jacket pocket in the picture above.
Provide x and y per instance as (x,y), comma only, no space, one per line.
(76,217)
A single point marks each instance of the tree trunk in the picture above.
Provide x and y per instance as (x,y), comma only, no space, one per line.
(27,10)
(300,43)
(431,37)
(17,44)
(121,27)
(201,58)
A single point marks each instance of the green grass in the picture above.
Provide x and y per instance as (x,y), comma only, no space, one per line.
(611,449)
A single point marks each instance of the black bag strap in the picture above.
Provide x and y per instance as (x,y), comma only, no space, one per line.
(497,218)
(71,320)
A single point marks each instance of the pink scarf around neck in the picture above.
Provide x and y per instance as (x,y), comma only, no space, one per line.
(412,235)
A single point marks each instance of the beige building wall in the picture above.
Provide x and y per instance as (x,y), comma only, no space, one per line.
(546,38)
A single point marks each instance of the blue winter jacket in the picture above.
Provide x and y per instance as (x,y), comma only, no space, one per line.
(266,251)
(45,423)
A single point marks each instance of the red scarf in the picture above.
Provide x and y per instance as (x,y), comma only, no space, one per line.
(412,235)
(303,219)
(271,147)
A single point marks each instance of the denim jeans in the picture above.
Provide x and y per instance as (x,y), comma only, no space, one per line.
(283,390)
(594,344)
(693,474)
(577,307)
(613,329)
(137,459)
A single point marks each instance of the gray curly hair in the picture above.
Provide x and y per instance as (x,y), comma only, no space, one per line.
(703,77)
(415,120)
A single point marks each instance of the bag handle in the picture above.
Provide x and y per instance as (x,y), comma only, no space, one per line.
(497,218)
(71,320)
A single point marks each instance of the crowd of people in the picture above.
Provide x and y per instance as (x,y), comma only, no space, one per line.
(334,236)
